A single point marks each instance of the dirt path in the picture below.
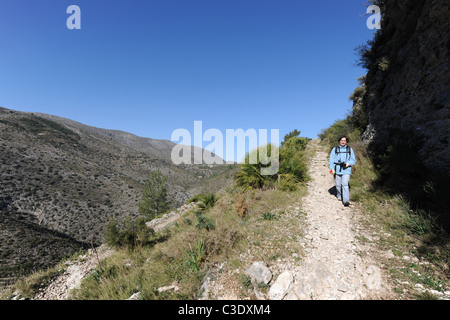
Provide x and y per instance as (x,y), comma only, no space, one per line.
(333,267)
(61,286)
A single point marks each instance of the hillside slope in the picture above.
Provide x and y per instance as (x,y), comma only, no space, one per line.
(65,180)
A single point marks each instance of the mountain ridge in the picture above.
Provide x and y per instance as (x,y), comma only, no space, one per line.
(156,147)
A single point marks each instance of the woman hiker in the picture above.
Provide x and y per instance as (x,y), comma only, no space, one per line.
(342,158)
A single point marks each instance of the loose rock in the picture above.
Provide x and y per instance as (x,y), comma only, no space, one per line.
(259,272)
(281,286)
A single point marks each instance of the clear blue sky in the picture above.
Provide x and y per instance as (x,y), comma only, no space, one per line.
(151,66)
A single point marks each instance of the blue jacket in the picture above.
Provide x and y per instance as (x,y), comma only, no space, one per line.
(342,156)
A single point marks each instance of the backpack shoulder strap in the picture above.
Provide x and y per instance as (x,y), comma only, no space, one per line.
(348,150)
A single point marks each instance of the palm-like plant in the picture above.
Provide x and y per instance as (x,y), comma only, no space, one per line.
(291,164)
(250,175)
(207,201)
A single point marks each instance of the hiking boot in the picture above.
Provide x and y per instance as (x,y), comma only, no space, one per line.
(346,203)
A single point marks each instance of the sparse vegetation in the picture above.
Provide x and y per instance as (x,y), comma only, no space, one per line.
(183,254)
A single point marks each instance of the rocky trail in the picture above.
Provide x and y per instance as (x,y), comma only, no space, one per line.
(61,286)
(334,265)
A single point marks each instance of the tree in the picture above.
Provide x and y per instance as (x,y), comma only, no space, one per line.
(112,233)
(154,199)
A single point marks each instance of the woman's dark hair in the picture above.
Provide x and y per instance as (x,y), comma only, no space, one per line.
(339,140)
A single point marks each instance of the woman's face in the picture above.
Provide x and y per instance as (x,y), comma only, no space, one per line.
(343,142)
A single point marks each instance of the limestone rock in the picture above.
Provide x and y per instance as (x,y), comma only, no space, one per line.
(281,286)
(373,278)
(259,272)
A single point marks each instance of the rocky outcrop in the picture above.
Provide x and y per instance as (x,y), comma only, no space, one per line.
(408,82)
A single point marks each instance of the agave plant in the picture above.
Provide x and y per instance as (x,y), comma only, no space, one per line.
(195,258)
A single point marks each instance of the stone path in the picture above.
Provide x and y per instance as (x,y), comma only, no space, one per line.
(332,268)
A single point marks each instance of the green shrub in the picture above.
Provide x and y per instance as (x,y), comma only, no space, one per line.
(154,200)
(287,182)
(292,159)
(250,175)
(196,198)
(203,222)
(269,216)
(112,233)
(133,234)
(207,201)
(291,165)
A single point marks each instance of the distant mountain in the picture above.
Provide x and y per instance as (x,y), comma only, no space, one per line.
(153,147)
(61,181)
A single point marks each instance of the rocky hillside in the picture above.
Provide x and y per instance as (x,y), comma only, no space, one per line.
(404,104)
(408,80)
(62,181)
